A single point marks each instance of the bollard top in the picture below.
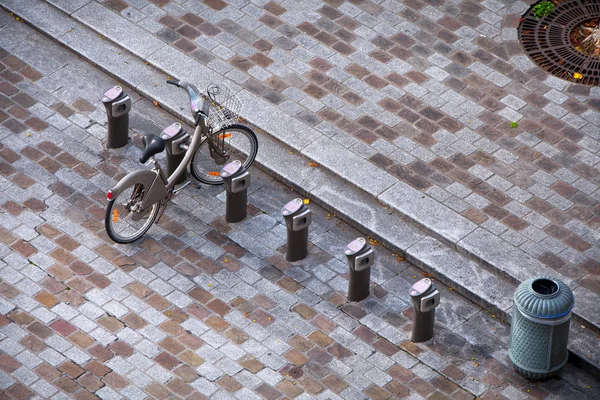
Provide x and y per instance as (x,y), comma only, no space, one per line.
(112,94)
(171,131)
(421,287)
(544,297)
(355,246)
(231,168)
(292,207)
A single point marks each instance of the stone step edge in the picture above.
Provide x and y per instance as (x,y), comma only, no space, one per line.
(464,246)
(436,270)
(464,236)
(469,241)
(467,225)
(299,187)
(495,270)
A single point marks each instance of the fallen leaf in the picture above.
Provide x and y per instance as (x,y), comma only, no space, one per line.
(156,103)
(313,164)
(577,75)
(514,125)
(306,201)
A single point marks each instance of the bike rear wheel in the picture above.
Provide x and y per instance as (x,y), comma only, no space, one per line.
(238,141)
(125,221)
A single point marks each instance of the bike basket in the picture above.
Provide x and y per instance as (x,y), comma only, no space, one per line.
(224,106)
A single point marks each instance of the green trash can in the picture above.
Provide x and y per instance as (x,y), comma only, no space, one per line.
(540,327)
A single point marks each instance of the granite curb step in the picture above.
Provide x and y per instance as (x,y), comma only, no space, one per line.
(456,252)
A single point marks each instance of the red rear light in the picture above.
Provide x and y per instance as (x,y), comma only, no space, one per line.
(109,195)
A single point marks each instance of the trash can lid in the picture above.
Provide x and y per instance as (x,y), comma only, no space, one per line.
(544,297)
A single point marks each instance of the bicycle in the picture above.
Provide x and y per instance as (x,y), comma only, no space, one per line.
(141,197)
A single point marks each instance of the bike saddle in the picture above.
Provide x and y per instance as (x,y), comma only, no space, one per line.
(152,145)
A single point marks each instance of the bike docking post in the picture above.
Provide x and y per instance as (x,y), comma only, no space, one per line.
(425,298)
(297,218)
(360,257)
(117,105)
(237,181)
(176,142)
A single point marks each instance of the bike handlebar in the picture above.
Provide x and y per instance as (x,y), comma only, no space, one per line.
(196,98)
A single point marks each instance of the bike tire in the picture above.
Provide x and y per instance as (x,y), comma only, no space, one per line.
(118,219)
(243,146)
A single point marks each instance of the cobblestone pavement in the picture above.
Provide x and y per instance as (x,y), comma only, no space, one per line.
(425,90)
(200,308)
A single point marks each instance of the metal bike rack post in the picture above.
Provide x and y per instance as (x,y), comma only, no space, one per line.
(117,105)
(425,298)
(297,218)
(237,181)
(176,141)
(360,257)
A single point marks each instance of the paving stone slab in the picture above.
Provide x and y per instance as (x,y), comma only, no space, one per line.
(69,6)
(129,35)
(427,212)
(146,78)
(466,276)
(15,38)
(510,260)
(349,166)
(356,207)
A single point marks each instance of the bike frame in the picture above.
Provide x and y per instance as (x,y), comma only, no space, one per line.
(157,185)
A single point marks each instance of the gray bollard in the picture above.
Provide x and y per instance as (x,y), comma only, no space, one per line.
(237,181)
(425,298)
(360,257)
(117,105)
(297,218)
(176,142)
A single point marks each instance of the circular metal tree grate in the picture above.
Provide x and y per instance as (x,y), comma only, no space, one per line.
(546,41)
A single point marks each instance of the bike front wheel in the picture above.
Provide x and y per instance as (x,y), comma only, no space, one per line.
(125,219)
(238,143)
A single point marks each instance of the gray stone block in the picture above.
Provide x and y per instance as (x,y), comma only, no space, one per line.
(349,166)
(39,51)
(476,283)
(510,260)
(427,212)
(69,6)
(127,67)
(118,29)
